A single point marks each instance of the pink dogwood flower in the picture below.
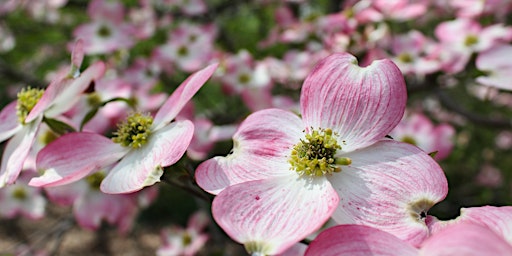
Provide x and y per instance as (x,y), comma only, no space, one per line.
(418,129)
(287,175)
(21,199)
(496,62)
(20,120)
(142,146)
(185,241)
(460,239)
(91,206)
(107,31)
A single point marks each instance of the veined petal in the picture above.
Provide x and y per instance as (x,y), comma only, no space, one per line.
(268,216)
(465,239)
(74,156)
(358,240)
(9,123)
(64,92)
(360,104)
(144,166)
(182,95)
(16,152)
(390,186)
(261,147)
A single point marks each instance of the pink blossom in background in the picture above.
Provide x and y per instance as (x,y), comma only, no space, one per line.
(378,10)
(21,119)
(417,129)
(504,140)
(185,241)
(91,206)
(489,176)
(411,53)
(22,200)
(138,159)
(189,46)
(188,7)
(270,194)
(107,31)
(206,133)
(497,67)
(461,37)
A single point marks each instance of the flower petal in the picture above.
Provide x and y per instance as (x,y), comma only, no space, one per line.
(143,167)
(16,152)
(465,239)
(497,219)
(358,240)
(64,92)
(261,146)
(74,156)
(268,216)
(9,123)
(182,95)
(360,104)
(390,186)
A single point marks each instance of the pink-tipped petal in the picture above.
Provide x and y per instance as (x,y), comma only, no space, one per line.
(16,152)
(465,239)
(358,240)
(261,146)
(77,56)
(390,186)
(182,95)
(64,92)
(360,104)
(144,166)
(74,156)
(9,123)
(269,216)
(497,219)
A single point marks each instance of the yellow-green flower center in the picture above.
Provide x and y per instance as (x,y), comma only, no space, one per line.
(315,155)
(104,31)
(405,57)
(27,99)
(134,131)
(186,239)
(470,40)
(244,78)
(410,140)
(94,180)
(183,51)
(19,193)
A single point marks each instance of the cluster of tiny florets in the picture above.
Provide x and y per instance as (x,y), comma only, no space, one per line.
(27,99)
(315,154)
(135,131)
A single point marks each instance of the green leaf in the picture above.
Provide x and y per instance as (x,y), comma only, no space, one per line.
(58,126)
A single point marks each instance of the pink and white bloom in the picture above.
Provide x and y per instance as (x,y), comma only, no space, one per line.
(460,239)
(287,175)
(497,219)
(189,46)
(496,62)
(185,241)
(417,129)
(20,120)
(22,200)
(107,31)
(141,148)
(462,37)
